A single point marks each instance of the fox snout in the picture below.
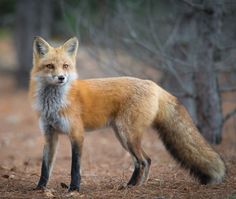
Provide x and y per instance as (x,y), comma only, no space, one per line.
(54,79)
(59,79)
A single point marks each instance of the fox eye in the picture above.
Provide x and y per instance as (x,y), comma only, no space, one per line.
(50,66)
(65,66)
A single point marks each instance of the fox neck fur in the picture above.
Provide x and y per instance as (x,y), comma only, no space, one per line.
(50,99)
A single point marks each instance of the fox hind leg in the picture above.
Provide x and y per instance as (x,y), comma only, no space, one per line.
(132,144)
(141,163)
(147,163)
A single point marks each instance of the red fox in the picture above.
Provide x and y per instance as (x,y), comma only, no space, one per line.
(67,105)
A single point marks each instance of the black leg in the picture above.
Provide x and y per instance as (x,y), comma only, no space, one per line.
(44,175)
(134,178)
(75,167)
(141,165)
(48,157)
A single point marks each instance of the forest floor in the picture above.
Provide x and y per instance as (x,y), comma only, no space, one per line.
(105,165)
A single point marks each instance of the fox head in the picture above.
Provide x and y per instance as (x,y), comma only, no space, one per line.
(54,66)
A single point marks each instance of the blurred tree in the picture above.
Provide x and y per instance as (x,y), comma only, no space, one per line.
(183,39)
(208,19)
(192,42)
(32,18)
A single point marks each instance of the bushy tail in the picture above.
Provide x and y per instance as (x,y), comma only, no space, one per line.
(185,143)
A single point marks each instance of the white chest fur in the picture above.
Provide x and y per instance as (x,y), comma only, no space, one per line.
(49,101)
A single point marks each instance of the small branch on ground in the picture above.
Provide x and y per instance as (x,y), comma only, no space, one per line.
(229,115)
(185,95)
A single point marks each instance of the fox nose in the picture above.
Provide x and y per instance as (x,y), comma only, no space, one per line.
(61,78)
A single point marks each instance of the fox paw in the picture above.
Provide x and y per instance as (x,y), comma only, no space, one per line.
(39,188)
(73,194)
(124,186)
(73,188)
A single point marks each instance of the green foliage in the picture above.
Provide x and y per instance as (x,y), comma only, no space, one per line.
(4,32)
(86,16)
(233,196)
(70,18)
(7,7)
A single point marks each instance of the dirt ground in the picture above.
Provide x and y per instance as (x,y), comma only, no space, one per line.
(105,165)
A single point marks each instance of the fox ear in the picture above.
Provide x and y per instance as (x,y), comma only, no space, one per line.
(71,46)
(40,46)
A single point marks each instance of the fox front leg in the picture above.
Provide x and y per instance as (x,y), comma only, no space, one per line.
(50,145)
(76,149)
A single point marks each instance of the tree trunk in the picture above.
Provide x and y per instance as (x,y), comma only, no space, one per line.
(209,113)
(33,17)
